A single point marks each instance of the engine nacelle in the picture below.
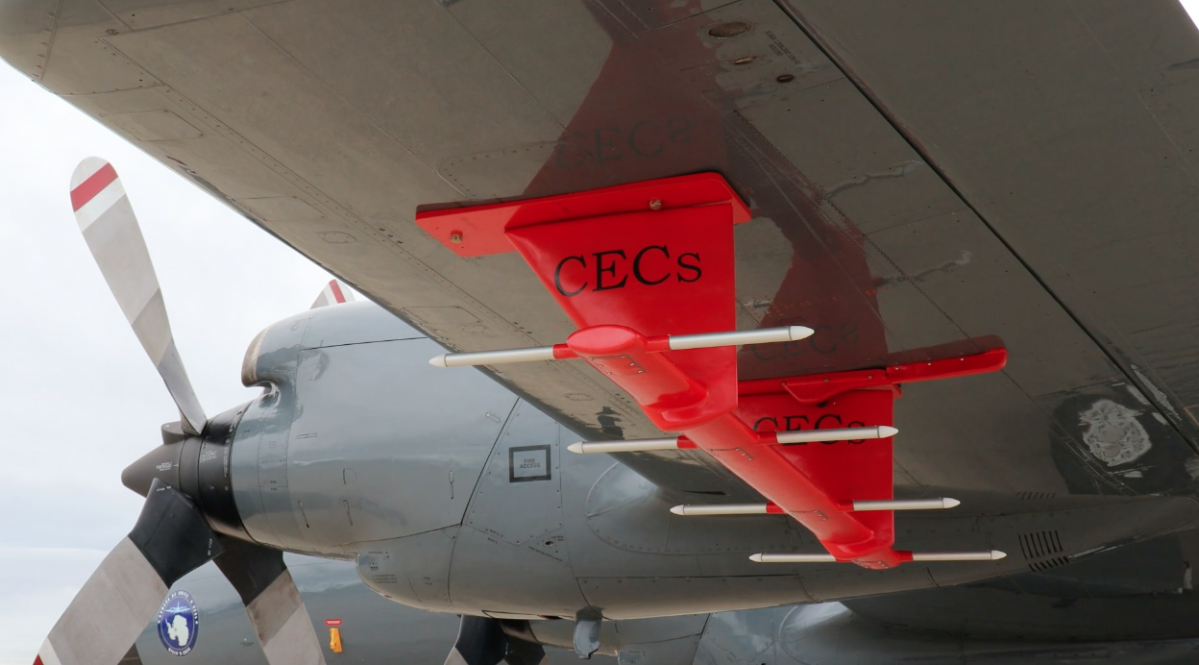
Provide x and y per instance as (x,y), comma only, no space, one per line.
(356,438)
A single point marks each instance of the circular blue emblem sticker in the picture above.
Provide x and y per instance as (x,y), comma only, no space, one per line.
(178,623)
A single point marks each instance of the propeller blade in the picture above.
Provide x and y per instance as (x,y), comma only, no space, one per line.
(171,539)
(272,602)
(523,647)
(525,653)
(483,641)
(334,293)
(112,234)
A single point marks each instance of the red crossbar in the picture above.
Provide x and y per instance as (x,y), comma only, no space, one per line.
(675,401)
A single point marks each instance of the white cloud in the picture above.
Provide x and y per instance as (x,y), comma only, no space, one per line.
(1191,7)
(38,584)
(78,398)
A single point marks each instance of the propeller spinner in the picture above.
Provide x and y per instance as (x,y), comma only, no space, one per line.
(175,532)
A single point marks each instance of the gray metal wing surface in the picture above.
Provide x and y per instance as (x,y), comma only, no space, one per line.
(927,179)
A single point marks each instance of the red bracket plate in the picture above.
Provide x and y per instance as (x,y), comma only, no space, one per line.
(632,263)
(481,230)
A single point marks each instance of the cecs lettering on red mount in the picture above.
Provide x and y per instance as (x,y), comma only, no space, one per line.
(652,265)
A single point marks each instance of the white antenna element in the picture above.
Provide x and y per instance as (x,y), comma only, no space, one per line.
(674,343)
(993,555)
(804,436)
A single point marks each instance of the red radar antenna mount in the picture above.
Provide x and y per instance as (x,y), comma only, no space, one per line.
(646,271)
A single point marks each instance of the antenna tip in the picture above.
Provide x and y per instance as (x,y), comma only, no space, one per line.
(679,510)
(799,332)
(438,361)
(575,447)
(757,558)
(886,432)
(997,555)
(950,503)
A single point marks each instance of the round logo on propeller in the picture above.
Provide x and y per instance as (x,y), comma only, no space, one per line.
(178,623)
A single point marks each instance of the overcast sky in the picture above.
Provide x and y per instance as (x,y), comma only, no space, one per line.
(79,400)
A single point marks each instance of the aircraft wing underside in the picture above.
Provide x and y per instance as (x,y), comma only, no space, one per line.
(927,180)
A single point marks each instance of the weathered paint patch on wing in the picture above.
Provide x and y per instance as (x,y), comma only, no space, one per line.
(1113,434)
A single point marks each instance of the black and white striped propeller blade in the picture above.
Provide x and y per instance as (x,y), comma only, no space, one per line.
(483,641)
(173,536)
(112,234)
(272,601)
(171,539)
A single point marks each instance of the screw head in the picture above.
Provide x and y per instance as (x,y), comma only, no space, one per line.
(730,29)
(655,204)
(456,237)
